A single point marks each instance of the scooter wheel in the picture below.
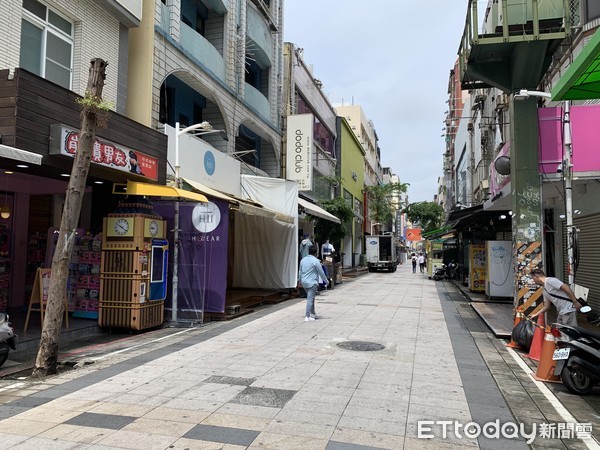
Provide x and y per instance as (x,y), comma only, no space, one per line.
(576,382)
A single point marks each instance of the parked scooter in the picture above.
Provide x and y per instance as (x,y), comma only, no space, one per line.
(452,271)
(578,359)
(439,272)
(7,338)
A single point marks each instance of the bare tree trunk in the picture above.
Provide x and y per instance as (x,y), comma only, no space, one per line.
(47,357)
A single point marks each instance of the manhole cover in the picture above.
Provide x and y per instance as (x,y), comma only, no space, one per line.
(361,346)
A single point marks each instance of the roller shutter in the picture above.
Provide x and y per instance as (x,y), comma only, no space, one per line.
(588,273)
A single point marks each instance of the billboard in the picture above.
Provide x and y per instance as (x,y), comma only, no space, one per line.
(413,234)
(299,150)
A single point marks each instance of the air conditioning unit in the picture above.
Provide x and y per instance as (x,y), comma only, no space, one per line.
(484,184)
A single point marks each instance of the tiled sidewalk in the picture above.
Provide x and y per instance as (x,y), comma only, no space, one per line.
(269,381)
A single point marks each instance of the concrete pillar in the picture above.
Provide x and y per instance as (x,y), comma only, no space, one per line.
(526,201)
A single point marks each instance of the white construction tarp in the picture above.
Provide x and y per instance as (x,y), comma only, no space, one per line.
(266,239)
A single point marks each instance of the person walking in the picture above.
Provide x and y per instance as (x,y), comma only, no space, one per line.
(308,276)
(560,295)
(414,263)
(421,262)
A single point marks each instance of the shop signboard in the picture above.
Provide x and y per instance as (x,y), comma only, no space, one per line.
(64,141)
(201,162)
(413,234)
(299,138)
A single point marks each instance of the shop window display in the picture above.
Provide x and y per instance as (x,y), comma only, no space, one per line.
(83,284)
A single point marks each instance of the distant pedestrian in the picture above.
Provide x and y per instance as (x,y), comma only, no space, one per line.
(414,262)
(304,246)
(308,276)
(327,249)
(422,262)
(560,295)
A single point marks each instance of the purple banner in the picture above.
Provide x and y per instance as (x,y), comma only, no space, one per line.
(202,268)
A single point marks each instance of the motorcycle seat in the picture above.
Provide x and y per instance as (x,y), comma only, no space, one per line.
(588,333)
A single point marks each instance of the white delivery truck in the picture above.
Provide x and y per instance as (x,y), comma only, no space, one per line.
(381,253)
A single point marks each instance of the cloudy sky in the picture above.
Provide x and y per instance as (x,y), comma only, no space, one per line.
(392,57)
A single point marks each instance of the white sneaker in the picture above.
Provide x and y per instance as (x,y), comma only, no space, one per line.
(313,317)
(307,319)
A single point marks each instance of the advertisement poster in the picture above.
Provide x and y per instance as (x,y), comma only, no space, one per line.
(477,268)
(202,268)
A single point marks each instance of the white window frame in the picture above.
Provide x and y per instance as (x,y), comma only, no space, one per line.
(46,28)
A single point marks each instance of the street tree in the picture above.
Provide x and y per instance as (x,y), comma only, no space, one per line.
(429,215)
(380,198)
(93,112)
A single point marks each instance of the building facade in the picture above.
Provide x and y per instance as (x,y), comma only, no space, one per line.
(193,61)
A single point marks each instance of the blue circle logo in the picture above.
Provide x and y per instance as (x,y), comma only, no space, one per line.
(209,163)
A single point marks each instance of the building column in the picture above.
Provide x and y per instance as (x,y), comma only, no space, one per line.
(526,201)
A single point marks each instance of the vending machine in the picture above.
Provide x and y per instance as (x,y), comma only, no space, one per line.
(133,276)
(500,279)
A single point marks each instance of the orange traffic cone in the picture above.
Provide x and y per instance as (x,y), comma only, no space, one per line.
(518,318)
(545,370)
(535,351)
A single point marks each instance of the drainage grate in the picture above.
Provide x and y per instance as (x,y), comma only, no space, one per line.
(361,346)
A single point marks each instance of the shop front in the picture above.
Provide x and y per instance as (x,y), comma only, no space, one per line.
(39,139)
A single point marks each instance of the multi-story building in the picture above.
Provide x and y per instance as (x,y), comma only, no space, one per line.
(303,95)
(351,168)
(364,130)
(47,46)
(192,61)
(522,174)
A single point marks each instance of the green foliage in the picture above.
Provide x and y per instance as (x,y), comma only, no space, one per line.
(381,208)
(333,181)
(94,106)
(429,215)
(335,232)
(94,103)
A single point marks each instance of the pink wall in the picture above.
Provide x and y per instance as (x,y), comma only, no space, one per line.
(585,126)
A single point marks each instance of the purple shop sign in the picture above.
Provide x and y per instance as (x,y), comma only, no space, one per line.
(202,268)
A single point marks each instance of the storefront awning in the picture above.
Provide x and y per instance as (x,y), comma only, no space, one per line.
(20,155)
(155,190)
(581,81)
(315,210)
(209,191)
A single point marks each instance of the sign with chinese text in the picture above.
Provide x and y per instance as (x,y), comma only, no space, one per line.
(64,141)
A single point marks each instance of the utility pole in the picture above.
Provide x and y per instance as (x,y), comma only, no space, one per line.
(47,357)
(568,176)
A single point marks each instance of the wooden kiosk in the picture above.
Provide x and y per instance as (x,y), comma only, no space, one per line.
(133,272)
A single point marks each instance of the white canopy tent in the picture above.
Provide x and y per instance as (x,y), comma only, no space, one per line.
(267,237)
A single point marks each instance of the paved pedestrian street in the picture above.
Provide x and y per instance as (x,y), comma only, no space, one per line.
(394,361)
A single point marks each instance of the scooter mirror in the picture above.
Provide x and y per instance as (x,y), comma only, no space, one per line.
(585,308)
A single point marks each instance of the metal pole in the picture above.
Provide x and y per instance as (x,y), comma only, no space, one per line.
(175,234)
(568,174)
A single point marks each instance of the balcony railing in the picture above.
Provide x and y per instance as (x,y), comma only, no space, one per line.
(258,101)
(202,50)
